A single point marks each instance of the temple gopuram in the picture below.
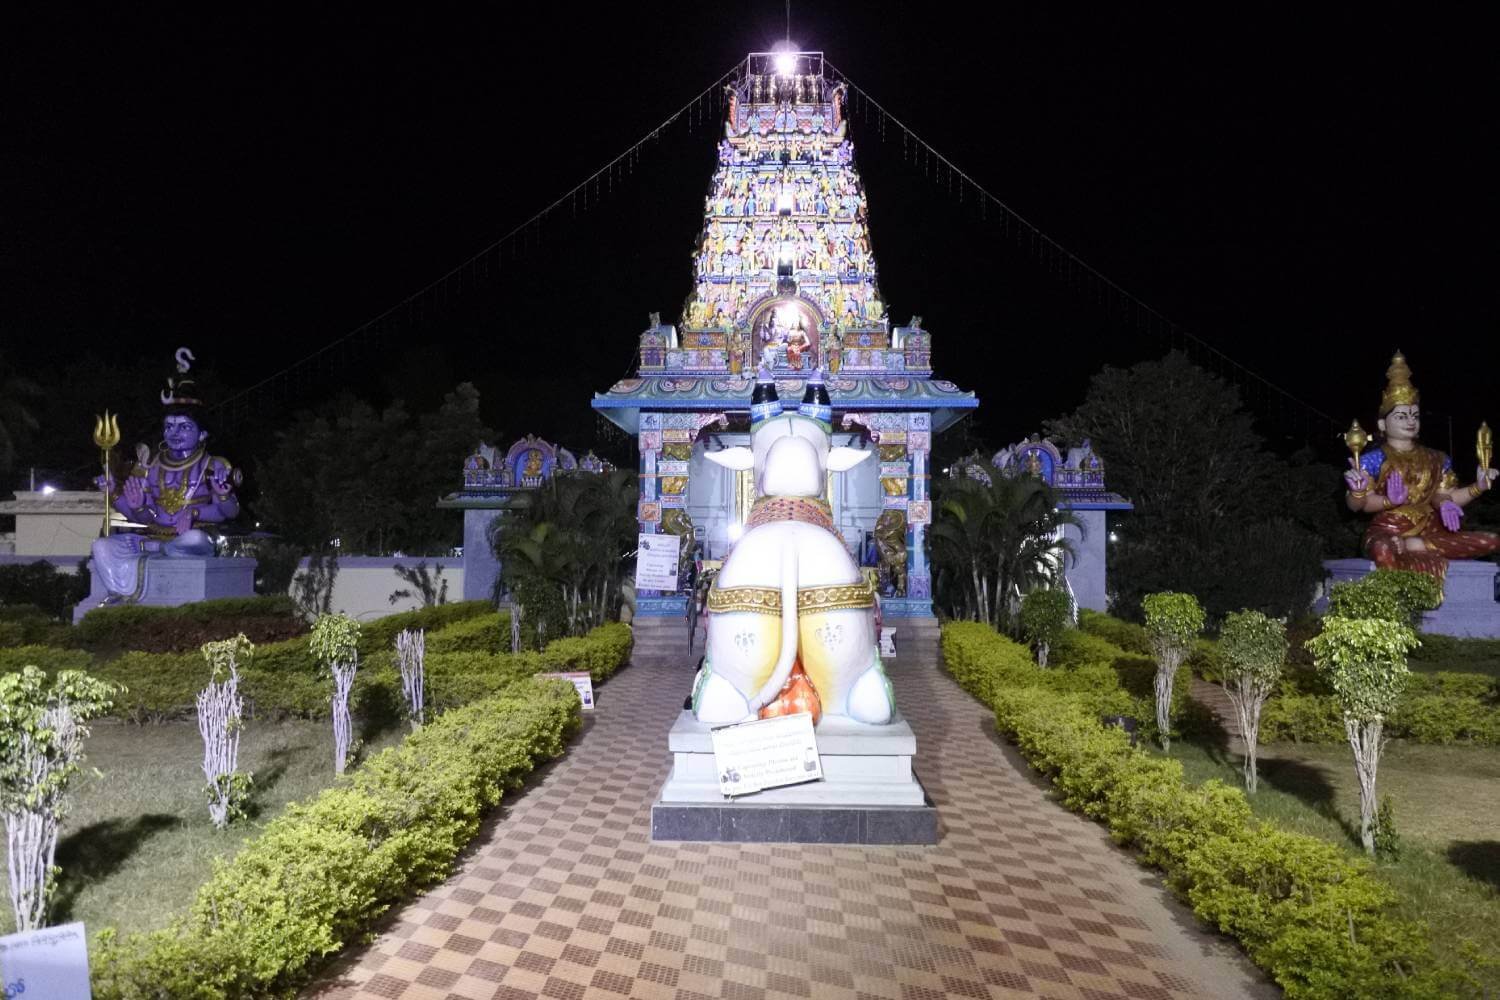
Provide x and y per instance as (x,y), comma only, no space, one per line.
(785,280)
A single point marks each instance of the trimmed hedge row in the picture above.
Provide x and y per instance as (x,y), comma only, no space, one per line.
(187,626)
(1315,919)
(1101,676)
(283,678)
(316,879)
(1132,638)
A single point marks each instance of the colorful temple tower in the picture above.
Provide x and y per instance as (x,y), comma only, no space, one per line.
(785,279)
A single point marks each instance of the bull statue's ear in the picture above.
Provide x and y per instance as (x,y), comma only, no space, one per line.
(843,459)
(738,458)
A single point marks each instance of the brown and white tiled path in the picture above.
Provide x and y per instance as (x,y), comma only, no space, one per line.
(564,895)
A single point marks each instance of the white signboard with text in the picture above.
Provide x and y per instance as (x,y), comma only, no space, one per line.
(583,682)
(766,753)
(52,962)
(656,562)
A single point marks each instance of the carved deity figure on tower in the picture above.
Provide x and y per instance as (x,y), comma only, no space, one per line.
(1412,490)
(167,494)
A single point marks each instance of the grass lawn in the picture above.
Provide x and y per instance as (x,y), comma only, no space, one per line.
(137,842)
(1447,812)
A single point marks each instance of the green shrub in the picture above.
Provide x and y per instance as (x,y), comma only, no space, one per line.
(1127,635)
(319,876)
(486,633)
(1397,595)
(1446,652)
(1318,922)
(188,626)
(379,634)
(1302,718)
(50,658)
(1044,619)
(29,625)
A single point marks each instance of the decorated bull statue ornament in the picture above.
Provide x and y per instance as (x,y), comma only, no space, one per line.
(789,595)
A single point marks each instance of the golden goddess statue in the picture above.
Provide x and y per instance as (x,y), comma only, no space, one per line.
(1412,490)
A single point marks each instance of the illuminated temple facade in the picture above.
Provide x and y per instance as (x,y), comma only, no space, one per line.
(785,278)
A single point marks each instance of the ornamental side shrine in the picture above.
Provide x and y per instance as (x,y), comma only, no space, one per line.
(785,281)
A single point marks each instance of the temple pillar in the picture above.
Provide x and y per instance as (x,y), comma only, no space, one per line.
(919,515)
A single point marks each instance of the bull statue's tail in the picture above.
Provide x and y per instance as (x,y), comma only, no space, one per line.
(789,633)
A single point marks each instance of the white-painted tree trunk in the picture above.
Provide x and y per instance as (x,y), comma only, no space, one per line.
(1166,672)
(1367,742)
(220,711)
(31,833)
(343,682)
(411,654)
(1248,698)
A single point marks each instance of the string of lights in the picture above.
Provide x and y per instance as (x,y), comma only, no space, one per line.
(1066,266)
(487,263)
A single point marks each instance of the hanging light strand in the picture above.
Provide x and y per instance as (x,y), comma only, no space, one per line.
(1058,259)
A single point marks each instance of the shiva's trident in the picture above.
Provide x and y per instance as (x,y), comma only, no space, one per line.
(106,436)
(1484,446)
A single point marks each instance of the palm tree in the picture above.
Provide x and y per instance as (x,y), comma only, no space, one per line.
(17,422)
(995,537)
(572,535)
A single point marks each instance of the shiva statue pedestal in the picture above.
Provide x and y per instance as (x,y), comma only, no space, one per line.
(868,794)
(170,581)
(1469,609)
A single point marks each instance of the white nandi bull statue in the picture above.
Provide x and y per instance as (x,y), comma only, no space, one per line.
(789,590)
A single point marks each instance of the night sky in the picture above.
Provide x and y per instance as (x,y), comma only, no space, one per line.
(1304,195)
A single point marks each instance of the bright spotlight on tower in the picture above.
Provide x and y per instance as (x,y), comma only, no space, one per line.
(786,63)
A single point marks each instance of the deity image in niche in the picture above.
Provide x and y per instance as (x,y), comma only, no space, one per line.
(789,327)
(167,493)
(1412,491)
(533,466)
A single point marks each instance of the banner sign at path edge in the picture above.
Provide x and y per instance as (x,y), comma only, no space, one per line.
(580,680)
(52,962)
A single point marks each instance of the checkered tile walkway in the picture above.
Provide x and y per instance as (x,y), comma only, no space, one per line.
(564,895)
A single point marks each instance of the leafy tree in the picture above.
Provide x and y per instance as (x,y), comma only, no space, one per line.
(1365,660)
(1254,651)
(1216,514)
(562,551)
(335,644)
(1173,621)
(42,729)
(1044,618)
(369,478)
(221,710)
(991,541)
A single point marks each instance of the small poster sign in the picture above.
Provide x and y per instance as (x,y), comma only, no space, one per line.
(887,642)
(52,962)
(656,562)
(580,680)
(766,753)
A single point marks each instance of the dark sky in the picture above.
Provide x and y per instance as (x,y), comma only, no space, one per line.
(1306,192)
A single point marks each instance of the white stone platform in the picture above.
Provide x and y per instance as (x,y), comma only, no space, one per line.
(868,794)
(174,581)
(862,766)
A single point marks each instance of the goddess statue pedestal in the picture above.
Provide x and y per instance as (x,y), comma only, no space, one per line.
(868,794)
(1469,609)
(174,581)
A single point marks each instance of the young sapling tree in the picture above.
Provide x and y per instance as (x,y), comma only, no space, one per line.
(220,720)
(1173,621)
(42,729)
(335,644)
(1045,616)
(411,653)
(1365,660)
(1254,651)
